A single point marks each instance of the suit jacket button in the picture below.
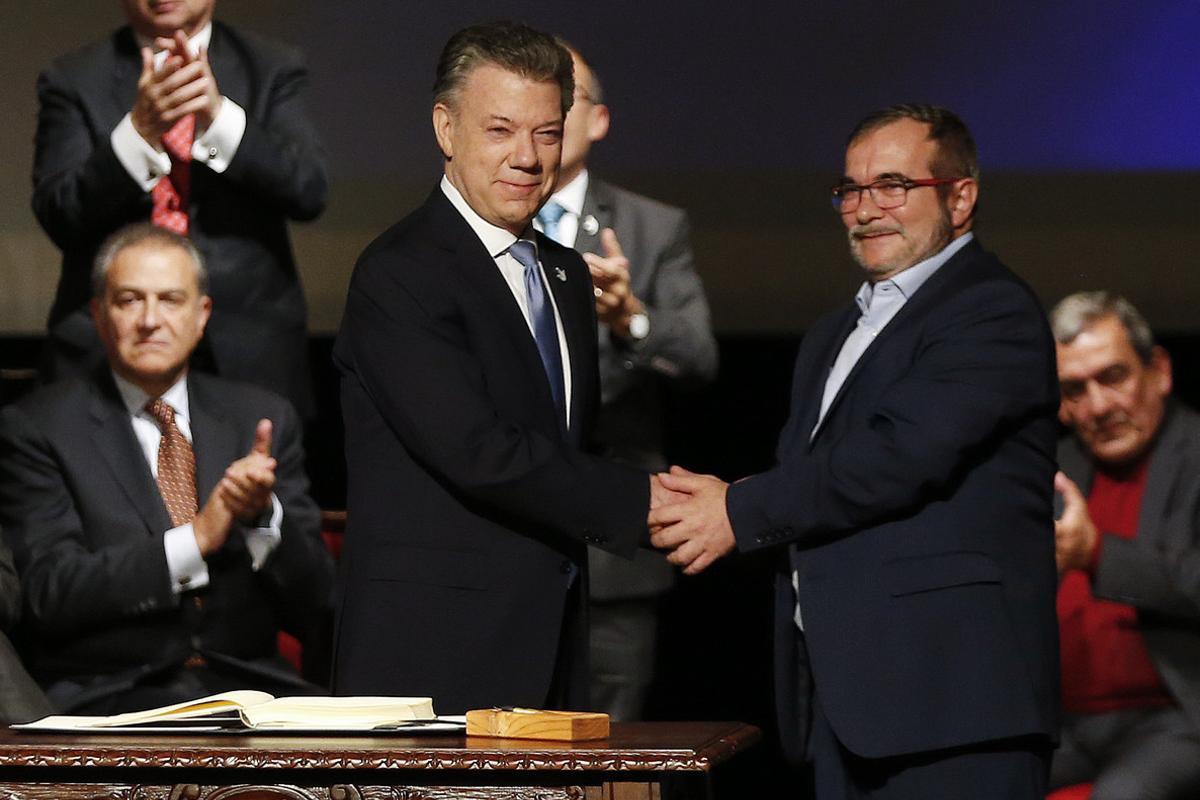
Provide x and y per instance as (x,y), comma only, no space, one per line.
(565,567)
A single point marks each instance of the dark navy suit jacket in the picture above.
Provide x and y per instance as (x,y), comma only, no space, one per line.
(919,520)
(468,510)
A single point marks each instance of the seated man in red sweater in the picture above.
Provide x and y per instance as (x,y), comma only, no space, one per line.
(1129,557)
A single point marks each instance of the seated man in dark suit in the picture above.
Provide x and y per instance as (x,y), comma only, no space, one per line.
(1128,547)
(159,518)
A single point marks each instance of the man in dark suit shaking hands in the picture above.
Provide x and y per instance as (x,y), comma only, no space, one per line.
(916,650)
(469,384)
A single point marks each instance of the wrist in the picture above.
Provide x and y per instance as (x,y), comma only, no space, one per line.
(634,323)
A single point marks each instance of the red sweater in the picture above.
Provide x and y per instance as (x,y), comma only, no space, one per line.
(1105,664)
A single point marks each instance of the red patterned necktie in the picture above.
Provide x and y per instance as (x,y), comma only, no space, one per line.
(170,194)
(176,465)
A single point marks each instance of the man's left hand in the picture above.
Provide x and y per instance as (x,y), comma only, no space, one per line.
(697,531)
(615,302)
(249,481)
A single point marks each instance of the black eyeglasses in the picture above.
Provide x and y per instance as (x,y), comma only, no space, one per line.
(885,193)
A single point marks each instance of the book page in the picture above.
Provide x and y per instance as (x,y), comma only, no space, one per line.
(204,706)
(338,713)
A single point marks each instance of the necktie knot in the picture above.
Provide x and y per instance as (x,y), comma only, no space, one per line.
(525,253)
(551,213)
(549,216)
(161,411)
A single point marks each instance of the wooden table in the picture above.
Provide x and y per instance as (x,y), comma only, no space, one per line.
(639,761)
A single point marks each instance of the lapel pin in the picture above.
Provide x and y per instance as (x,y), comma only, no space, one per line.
(561,274)
(590,225)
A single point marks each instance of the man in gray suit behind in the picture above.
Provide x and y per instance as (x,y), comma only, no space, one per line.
(1128,549)
(655,335)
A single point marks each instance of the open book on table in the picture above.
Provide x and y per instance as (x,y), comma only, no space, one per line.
(247,710)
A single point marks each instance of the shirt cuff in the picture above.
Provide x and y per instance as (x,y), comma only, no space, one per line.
(143,163)
(217,146)
(262,541)
(184,562)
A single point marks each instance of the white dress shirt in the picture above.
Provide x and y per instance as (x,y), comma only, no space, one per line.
(497,241)
(214,147)
(879,304)
(184,562)
(570,197)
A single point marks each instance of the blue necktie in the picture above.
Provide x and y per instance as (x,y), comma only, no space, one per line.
(549,216)
(545,331)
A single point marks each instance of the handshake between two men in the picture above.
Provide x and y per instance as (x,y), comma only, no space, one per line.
(688,518)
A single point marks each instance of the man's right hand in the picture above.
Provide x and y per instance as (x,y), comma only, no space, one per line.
(1075,534)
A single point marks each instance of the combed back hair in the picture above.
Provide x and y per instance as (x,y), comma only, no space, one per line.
(1077,312)
(956,156)
(143,234)
(594,88)
(513,46)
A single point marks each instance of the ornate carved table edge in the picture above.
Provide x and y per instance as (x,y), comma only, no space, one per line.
(633,747)
(99,791)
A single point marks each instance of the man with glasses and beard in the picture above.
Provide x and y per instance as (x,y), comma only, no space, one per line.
(911,505)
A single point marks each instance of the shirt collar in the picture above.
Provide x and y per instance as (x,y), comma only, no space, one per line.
(497,240)
(202,39)
(908,281)
(571,196)
(135,399)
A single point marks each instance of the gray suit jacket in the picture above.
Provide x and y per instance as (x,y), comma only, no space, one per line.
(636,377)
(1158,571)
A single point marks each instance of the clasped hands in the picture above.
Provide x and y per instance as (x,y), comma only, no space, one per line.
(183,84)
(242,495)
(688,518)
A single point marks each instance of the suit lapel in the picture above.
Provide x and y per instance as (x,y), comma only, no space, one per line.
(926,295)
(825,352)
(479,271)
(214,437)
(1167,463)
(126,67)
(112,434)
(229,70)
(578,327)
(597,215)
